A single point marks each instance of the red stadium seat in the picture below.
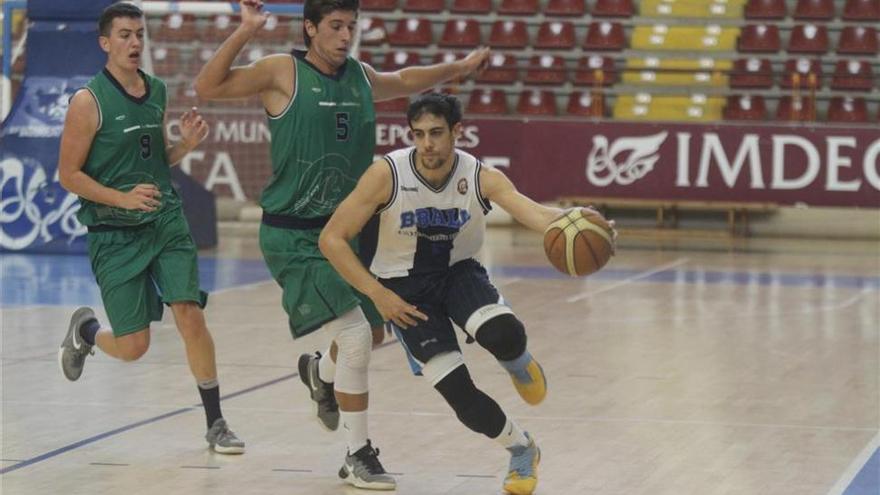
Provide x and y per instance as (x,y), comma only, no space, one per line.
(429,6)
(471,6)
(605,36)
(461,33)
(365,57)
(798,70)
(585,105)
(532,102)
(861,10)
(398,59)
(761,38)
(372,31)
(396,105)
(744,107)
(847,109)
(502,70)
(411,32)
(221,27)
(589,69)
(185,96)
(859,40)
(566,8)
(852,75)
(485,101)
(808,38)
(613,8)
(545,69)
(821,10)
(765,9)
(444,57)
(176,27)
(518,7)
(166,61)
(751,73)
(378,5)
(555,35)
(275,31)
(508,34)
(795,109)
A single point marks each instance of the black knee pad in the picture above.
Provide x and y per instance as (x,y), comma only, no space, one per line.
(504,336)
(474,409)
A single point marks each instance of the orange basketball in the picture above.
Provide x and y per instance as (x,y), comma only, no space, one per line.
(579,242)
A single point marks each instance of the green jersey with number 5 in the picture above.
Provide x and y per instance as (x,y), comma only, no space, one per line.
(322,142)
(128,149)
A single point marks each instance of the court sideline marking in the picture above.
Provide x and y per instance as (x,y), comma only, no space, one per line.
(629,280)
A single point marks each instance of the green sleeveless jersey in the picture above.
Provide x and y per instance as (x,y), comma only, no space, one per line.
(322,142)
(128,149)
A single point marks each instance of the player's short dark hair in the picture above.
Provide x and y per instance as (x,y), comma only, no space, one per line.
(315,10)
(119,9)
(439,104)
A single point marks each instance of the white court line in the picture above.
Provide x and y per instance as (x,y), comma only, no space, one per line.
(629,280)
(853,469)
(739,315)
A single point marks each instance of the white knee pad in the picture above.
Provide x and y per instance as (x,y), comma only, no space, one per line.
(441,365)
(354,338)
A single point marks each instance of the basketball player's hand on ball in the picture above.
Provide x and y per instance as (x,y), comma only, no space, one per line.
(609,225)
(475,62)
(193,128)
(396,310)
(252,14)
(143,197)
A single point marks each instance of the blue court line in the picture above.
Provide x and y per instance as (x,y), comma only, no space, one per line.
(867,481)
(101,436)
(692,276)
(68,279)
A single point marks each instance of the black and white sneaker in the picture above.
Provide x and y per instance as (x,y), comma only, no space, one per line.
(363,470)
(74,350)
(320,391)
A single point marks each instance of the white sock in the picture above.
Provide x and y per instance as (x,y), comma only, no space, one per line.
(355,426)
(326,367)
(512,435)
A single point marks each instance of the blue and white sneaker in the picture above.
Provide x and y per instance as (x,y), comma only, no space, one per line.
(522,476)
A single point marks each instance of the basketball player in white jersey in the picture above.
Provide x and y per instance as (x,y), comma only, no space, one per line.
(432,201)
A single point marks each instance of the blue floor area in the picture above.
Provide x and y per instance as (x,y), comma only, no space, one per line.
(867,481)
(30,279)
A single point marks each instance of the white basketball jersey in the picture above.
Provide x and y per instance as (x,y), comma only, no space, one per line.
(425,229)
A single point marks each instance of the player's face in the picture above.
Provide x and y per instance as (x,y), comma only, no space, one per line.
(434,141)
(333,36)
(125,43)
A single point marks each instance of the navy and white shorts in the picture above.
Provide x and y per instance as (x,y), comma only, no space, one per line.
(462,294)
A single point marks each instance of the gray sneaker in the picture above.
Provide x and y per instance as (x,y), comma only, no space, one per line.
(320,391)
(73,351)
(222,440)
(363,470)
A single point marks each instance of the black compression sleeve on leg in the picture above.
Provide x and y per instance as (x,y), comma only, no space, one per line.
(504,336)
(474,408)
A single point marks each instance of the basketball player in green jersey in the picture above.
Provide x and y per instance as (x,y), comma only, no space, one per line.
(114,157)
(320,110)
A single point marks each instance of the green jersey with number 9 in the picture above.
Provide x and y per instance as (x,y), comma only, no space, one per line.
(128,149)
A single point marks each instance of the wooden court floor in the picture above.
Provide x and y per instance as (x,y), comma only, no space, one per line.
(682,368)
